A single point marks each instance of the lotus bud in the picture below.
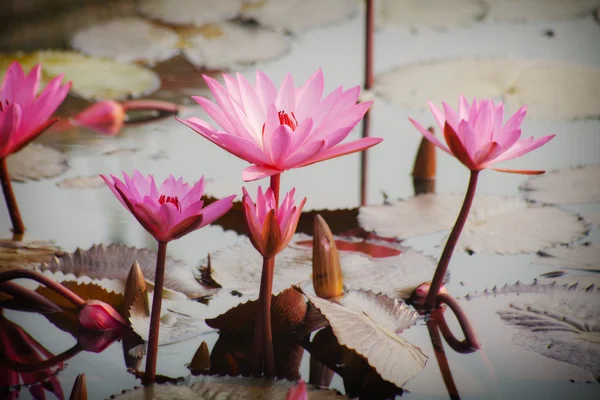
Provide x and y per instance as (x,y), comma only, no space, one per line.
(424,168)
(201,361)
(106,117)
(79,391)
(417,299)
(96,315)
(327,272)
(298,392)
(136,292)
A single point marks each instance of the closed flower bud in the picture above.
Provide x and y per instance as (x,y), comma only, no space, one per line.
(96,315)
(327,272)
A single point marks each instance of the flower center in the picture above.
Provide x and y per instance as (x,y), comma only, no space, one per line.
(167,199)
(284,119)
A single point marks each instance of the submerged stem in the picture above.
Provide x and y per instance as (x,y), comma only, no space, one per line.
(11,201)
(442,267)
(155,313)
(471,343)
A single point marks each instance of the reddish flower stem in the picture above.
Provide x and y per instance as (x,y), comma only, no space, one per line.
(43,279)
(263,339)
(471,343)
(275,183)
(26,368)
(364,160)
(155,313)
(11,201)
(442,267)
(369,79)
(28,299)
(440,355)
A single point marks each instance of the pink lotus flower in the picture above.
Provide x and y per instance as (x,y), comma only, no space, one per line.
(476,137)
(271,227)
(23,114)
(171,211)
(107,117)
(99,316)
(281,130)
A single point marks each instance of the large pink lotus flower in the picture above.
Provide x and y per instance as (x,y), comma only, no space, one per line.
(271,227)
(281,129)
(476,137)
(23,114)
(168,212)
(99,316)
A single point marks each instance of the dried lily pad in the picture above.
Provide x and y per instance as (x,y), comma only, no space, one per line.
(369,326)
(562,328)
(529,10)
(245,44)
(36,162)
(224,387)
(190,12)
(431,13)
(300,15)
(565,186)
(127,40)
(82,182)
(115,260)
(580,257)
(517,82)
(495,225)
(93,78)
(550,287)
(14,254)
(239,268)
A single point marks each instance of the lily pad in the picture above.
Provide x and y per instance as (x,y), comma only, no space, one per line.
(592,217)
(86,291)
(300,15)
(115,260)
(82,182)
(565,186)
(538,10)
(93,78)
(190,12)
(516,82)
(369,326)
(245,44)
(127,40)
(579,257)
(495,224)
(36,162)
(239,268)
(430,13)
(15,254)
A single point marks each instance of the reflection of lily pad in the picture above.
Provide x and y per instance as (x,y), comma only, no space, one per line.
(82,182)
(517,82)
(14,254)
(93,78)
(190,12)
(369,326)
(245,44)
(115,260)
(565,186)
(300,15)
(36,162)
(495,225)
(528,10)
(579,257)
(127,40)
(432,13)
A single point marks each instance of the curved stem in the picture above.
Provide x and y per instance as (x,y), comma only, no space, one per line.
(28,300)
(440,355)
(46,281)
(51,362)
(159,279)
(11,201)
(471,343)
(442,267)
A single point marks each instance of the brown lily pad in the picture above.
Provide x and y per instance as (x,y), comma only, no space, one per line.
(36,162)
(82,182)
(15,254)
(87,291)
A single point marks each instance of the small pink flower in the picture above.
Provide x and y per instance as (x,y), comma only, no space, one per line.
(99,316)
(106,117)
(271,227)
(277,130)
(476,137)
(171,211)
(298,392)
(23,114)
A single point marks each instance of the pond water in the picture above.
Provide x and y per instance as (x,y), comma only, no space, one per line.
(75,218)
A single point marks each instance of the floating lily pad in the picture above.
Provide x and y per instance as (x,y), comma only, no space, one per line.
(430,13)
(530,10)
(562,328)
(245,44)
(36,162)
(588,283)
(115,260)
(93,78)
(579,257)
(15,254)
(82,182)
(516,82)
(496,224)
(86,291)
(551,287)
(369,325)
(592,217)
(127,40)
(300,15)
(565,186)
(190,12)
(239,268)
(224,387)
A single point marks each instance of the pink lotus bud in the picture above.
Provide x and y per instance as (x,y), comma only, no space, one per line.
(420,294)
(99,316)
(106,117)
(298,392)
